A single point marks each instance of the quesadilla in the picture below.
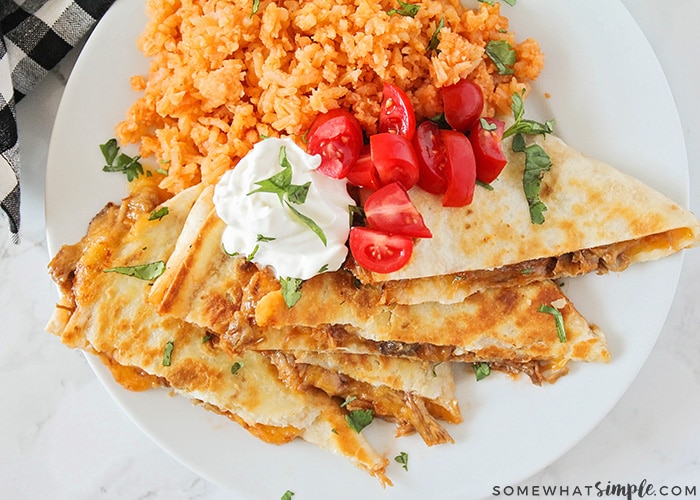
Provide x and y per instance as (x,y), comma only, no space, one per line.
(504,327)
(205,286)
(392,388)
(598,219)
(106,313)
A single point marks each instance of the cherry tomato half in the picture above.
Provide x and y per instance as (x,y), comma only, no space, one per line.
(378,251)
(486,142)
(461,169)
(463,103)
(390,209)
(396,114)
(431,158)
(337,137)
(394,158)
(363,173)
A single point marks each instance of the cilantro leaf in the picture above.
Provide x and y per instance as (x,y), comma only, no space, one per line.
(407,9)
(359,419)
(291,290)
(492,2)
(558,320)
(109,150)
(537,162)
(309,222)
(502,55)
(402,458)
(236,366)
(158,213)
(277,184)
(168,352)
(435,37)
(287,495)
(120,162)
(347,401)
(481,370)
(297,194)
(281,185)
(147,272)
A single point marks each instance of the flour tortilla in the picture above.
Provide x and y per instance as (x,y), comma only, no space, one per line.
(225,294)
(591,207)
(107,314)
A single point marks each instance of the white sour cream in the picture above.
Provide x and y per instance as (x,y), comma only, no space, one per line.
(265,229)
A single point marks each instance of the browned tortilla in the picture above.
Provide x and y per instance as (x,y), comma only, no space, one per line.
(107,314)
(597,219)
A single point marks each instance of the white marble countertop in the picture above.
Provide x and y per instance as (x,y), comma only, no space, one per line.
(61,436)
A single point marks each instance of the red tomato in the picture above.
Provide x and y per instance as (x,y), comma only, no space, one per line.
(431,158)
(488,153)
(463,103)
(390,209)
(461,169)
(363,173)
(378,251)
(396,114)
(337,137)
(394,158)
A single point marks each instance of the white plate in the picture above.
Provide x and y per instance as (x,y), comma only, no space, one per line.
(609,98)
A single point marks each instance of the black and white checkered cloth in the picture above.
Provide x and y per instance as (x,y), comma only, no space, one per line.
(34,37)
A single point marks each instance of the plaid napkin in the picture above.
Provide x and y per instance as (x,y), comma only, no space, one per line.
(34,37)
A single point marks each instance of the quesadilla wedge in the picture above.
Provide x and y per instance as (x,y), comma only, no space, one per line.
(505,326)
(224,293)
(598,219)
(106,313)
(205,286)
(365,382)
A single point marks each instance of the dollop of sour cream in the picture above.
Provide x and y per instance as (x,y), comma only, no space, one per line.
(264,227)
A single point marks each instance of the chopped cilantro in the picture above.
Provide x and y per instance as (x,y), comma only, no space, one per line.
(491,2)
(484,185)
(206,338)
(348,401)
(520,124)
(234,254)
(435,37)
(537,162)
(481,370)
(359,419)
(407,9)
(147,272)
(158,213)
(251,255)
(291,290)
(402,458)
(168,353)
(120,162)
(256,6)
(236,366)
(288,193)
(287,495)
(558,320)
(502,55)
(309,222)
